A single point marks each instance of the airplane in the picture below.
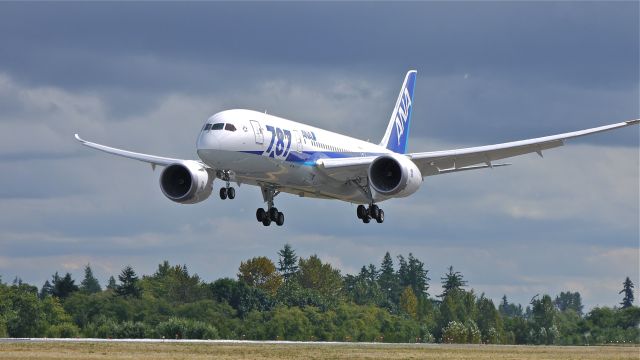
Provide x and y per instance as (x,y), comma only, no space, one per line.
(284,156)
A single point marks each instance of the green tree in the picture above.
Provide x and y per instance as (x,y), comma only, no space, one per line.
(21,311)
(627,290)
(543,317)
(569,301)
(287,262)
(452,281)
(260,272)
(489,321)
(63,286)
(241,296)
(409,302)
(174,284)
(388,279)
(507,309)
(47,290)
(128,286)
(89,284)
(314,274)
(111,284)
(412,273)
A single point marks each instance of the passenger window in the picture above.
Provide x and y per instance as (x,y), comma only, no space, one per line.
(217,126)
(230,127)
(207,127)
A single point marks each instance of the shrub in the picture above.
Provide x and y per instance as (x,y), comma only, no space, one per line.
(63,330)
(186,329)
(454,333)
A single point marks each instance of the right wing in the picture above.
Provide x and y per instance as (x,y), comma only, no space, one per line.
(439,162)
(152,159)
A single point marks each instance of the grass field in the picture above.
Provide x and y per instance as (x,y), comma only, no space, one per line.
(181,350)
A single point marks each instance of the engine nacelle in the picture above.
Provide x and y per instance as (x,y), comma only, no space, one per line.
(186,182)
(394,175)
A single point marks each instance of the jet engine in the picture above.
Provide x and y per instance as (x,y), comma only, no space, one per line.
(394,176)
(186,182)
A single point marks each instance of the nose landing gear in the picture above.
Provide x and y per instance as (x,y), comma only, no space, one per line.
(227,191)
(373,212)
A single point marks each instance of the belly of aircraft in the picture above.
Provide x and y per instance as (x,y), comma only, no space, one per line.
(295,178)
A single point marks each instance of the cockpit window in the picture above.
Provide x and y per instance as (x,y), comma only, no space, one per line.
(230,127)
(207,127)
(217,126)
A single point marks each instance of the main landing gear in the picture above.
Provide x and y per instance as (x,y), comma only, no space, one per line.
(271,214)
(373,212)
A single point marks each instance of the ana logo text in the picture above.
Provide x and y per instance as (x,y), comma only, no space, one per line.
(403,113)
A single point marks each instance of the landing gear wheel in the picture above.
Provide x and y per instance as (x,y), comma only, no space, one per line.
(280,219)
(373,211)
(361,211)
(260,214)
(380,218)
(231,193)
(366,219)
(273,214)
(266,221)
(223,193)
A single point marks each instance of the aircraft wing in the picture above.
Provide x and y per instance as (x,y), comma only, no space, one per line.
(152,159)
(441,162)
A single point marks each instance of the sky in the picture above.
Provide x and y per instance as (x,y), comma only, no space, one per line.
(145,76)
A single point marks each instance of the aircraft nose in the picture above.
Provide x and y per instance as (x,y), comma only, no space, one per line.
(208,140)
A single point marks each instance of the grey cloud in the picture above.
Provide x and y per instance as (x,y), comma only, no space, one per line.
(579,43)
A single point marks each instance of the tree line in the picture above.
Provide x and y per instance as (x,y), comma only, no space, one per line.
(306,299)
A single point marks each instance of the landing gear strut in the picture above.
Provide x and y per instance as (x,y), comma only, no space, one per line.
(373,212)
(271,213)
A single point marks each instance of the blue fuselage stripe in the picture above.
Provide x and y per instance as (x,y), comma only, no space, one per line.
(309,158)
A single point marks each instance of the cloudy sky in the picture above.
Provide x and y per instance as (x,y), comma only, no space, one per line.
(144,76)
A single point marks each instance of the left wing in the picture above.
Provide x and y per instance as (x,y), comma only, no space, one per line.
(441,162)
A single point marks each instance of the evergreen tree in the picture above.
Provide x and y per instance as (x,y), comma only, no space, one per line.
(128,283)
(569,301)
(507,309)
(417,276)
(452,281)
(63,286)
(412,273)
(288,262)
(111,283)
(627,290)
(47,290)
(89,284)
(388,280)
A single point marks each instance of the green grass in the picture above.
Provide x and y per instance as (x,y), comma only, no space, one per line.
(181,350)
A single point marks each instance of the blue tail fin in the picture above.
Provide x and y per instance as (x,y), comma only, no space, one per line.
(397,134)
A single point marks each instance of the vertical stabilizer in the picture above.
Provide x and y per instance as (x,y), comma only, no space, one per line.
(397,134)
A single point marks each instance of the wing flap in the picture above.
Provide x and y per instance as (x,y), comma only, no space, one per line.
(344,169)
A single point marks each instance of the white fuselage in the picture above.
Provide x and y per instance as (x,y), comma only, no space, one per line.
(265,150)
